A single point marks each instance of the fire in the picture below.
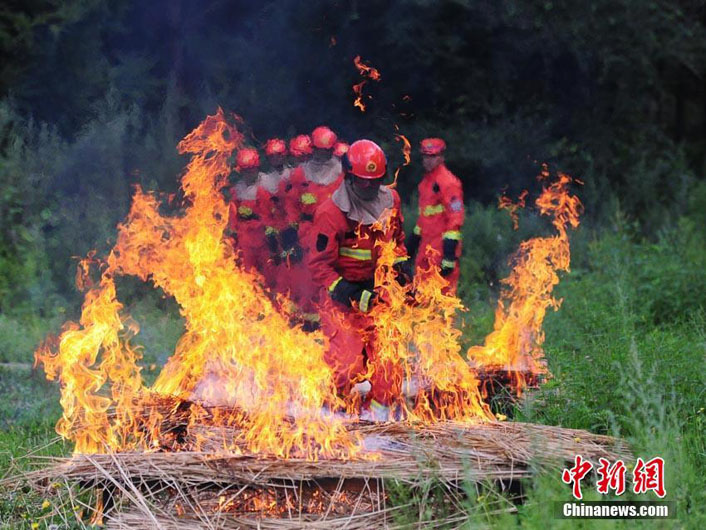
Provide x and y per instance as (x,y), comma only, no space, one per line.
(358,91)
(419,348)
(367,72)
(517,337)
(237,350)
(406,152)
(506,203)
(242,377)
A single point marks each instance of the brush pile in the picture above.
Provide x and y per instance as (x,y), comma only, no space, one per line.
(195,483)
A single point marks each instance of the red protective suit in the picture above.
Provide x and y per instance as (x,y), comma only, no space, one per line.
(274,220)
(441,213)
(301,199)
(342,248)
(247,208)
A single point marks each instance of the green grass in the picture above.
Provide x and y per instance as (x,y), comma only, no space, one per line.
(627,351)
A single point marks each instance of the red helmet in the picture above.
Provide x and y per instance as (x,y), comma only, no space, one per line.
(247,158)
(340,149)
(365,159)
(275,146)
(432,146)
(323,137)
(300,145)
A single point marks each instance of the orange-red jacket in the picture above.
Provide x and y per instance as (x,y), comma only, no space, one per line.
(245,219)
(342,248)
(302,197)
(274,212)
(441,210)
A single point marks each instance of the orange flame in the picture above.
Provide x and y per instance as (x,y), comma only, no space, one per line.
(406,153)
(358,91)
(365,71)
(273,378)
(240,367)
(517,338)
(506,203)
(418,346)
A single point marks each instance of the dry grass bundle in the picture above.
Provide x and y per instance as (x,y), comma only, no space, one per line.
(213,488)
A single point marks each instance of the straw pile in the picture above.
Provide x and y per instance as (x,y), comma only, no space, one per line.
(212,489)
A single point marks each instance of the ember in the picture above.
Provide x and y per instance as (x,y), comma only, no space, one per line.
(365,71)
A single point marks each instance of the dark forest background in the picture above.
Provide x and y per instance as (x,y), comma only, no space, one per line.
(96,94)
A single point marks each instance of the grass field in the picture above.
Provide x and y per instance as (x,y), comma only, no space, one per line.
(627,351)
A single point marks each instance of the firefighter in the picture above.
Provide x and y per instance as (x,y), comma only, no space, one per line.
(323,169)
(295,280)
(291,191)
(276,152)
(246,211)
(342,258)
(313,181)
(274,219)
(316,178)
(440,219)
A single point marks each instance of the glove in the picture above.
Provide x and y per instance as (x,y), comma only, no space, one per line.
(404,272)
(346,293)
(412,242)
(272,243)
(290,238)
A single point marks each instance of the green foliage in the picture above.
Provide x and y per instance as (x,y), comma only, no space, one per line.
(625,352)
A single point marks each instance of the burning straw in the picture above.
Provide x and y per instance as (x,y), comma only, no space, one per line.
(221,489)
(243,426)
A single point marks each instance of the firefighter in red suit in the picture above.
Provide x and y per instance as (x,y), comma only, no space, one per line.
(294,193)
(274,219)
(295,280)
(342,258)
(246,211)
(440,219)
(312,182)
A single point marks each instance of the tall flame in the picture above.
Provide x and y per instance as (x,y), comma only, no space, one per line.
(517,336)
(237,350)
(418,346)
(241,366)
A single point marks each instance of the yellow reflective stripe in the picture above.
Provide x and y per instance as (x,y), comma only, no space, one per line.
(379,411)
(271,230)
(355,253)
(334,284)
(244,210)
(308,198)
(452,234)
(417,230)
(311,317)
(448,263)
(365,301)
(433,210)
(400,259)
